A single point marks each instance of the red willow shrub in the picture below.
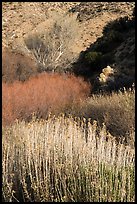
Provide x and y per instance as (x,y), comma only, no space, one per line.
(17,66)
(42,94)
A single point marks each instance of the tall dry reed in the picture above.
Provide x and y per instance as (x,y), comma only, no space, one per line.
(65,159)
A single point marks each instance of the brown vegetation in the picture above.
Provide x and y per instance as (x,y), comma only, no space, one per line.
(17,66)
(117,111)
(41,94)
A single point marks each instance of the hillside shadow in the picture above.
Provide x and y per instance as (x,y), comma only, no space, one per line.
(101,53)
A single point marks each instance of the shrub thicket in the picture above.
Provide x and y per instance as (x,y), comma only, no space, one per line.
(93,58)
(17,66)
(41,94)
(117,111)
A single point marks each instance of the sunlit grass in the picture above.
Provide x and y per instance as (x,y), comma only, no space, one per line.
(65,159)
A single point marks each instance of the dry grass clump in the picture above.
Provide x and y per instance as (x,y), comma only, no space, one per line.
(40,95)
(117,111)
(107,74)
(50,161)
(17,66)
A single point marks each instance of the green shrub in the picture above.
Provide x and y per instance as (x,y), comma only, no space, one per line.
(93,58)
(95,61)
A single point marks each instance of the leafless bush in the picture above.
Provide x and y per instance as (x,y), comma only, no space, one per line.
(17,66)
(53,48)
(44,93)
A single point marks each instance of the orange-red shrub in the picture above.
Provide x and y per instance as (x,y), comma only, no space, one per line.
(17,66)
(41,94)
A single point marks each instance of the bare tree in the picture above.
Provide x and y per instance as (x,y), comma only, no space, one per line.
(53,49)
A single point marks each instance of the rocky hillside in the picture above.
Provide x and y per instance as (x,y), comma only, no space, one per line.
(89,10)
(19,19)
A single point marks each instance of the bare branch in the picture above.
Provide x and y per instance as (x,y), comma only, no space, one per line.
(52,49)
